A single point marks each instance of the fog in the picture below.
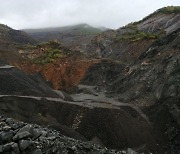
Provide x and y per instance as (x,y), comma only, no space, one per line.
(20,14)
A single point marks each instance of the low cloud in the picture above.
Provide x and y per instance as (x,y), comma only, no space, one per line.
(21,14)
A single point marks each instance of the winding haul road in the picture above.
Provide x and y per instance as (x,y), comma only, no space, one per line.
(6,67)
(93,100)
(88,101)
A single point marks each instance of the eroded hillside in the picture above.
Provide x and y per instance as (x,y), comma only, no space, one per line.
(128,42)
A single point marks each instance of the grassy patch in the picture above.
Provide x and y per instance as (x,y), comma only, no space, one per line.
(50,44)
(135,36)
(49,56)
(169,9)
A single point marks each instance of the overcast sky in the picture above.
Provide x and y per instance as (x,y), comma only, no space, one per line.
(21,14)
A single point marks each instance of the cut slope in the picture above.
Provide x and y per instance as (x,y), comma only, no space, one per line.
(16,82)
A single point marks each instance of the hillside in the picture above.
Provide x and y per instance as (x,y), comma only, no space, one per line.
(70,36)
(128,42)
(11,36)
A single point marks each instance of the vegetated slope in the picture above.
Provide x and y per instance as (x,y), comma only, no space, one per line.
(10,36)
(128,42)
(70,36)
(59,65)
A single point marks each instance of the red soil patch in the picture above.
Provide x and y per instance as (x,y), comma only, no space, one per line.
(64,73)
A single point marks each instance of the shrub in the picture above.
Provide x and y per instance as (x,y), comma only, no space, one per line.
(170,9)
(49,56)
(135,36)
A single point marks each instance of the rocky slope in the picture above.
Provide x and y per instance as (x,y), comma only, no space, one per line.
(127,43)
(156,66)
(151,82)
(18,137)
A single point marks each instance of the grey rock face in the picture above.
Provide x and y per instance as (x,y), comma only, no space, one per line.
(24,144)
(21,135)
(6,136)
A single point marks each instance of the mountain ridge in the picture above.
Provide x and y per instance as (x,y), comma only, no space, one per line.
(72,37)
(9,35)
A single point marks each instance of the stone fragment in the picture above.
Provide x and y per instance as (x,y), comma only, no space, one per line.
(6,136)
(7,147)
(15,148)
(21,135)
(24,144)
(130,151)
(27,128)
(38,151)
(36,133)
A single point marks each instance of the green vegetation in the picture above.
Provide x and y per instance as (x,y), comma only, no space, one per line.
(51,44)
(132,37)
(133,34)
(169,9)
(47,52)
(49,56)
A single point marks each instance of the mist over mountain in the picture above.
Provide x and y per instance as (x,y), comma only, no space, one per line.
(74,36)
(59,13)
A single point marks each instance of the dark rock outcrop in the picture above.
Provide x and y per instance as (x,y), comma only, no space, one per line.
(165,117)
(15,82)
